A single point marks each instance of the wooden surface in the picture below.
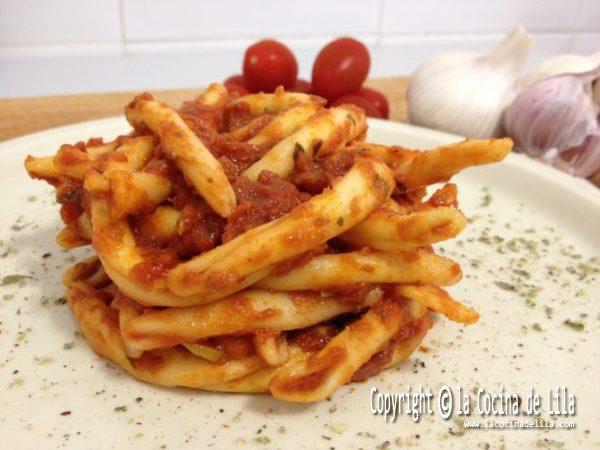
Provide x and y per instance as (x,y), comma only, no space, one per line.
(22,116)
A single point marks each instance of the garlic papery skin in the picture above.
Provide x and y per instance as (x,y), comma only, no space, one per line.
(596,92)
(466,93)
(553,113)
(582,161)
(559,65)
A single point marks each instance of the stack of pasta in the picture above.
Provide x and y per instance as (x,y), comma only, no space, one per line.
(257,243)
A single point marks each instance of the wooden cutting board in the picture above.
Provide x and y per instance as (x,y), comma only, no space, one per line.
(20,116)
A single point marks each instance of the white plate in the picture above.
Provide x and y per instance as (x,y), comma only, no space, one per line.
(548,219)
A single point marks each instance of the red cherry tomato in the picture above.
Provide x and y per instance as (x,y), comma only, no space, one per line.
(236,79)
(340,68)
(268,64)
(377,98)
(302,86)
(369,107)
(234,88)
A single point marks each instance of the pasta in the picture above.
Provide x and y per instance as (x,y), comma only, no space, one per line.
(258,244)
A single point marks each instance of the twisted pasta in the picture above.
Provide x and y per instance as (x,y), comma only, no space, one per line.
(257,244)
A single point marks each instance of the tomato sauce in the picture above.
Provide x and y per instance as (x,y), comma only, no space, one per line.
(237,116)
(261,201)
(374,365)
(70,212)
(161,166)
(150,361)
(352,292)
(199,230)
(319,369)
(311,339)
(233,346)
(312,176)
(445,196)
(201,118)
(264,334)
(381,359)
(241,154)
(156,264)
(69,191)
(94,142)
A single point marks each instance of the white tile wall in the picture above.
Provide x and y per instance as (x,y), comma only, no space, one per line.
(478,15)
(224,19)
(589,15)
(586,43)
(31,22)
(72,46)
(410,51)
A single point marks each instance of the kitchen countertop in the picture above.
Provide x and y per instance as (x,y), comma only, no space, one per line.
(20,116)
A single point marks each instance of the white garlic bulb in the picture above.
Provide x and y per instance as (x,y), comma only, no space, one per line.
(561,64)
(466,93)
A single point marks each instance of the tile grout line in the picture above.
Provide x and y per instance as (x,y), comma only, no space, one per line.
(121,19)
(575,29)
(243,41)
(380,16)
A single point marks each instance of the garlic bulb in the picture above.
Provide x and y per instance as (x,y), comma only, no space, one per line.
(561,64)
(465,93)
(556,118)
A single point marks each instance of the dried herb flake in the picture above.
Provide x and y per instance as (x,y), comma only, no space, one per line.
(504,285)
(576,325)
(15,278)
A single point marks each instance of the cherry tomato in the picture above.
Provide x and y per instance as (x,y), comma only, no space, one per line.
(302,86)
(234,88)
(236,79)
(340,68)
(377,98)
(369,107)
(268,64)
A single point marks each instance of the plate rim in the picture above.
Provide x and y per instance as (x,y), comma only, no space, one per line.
(538,171)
